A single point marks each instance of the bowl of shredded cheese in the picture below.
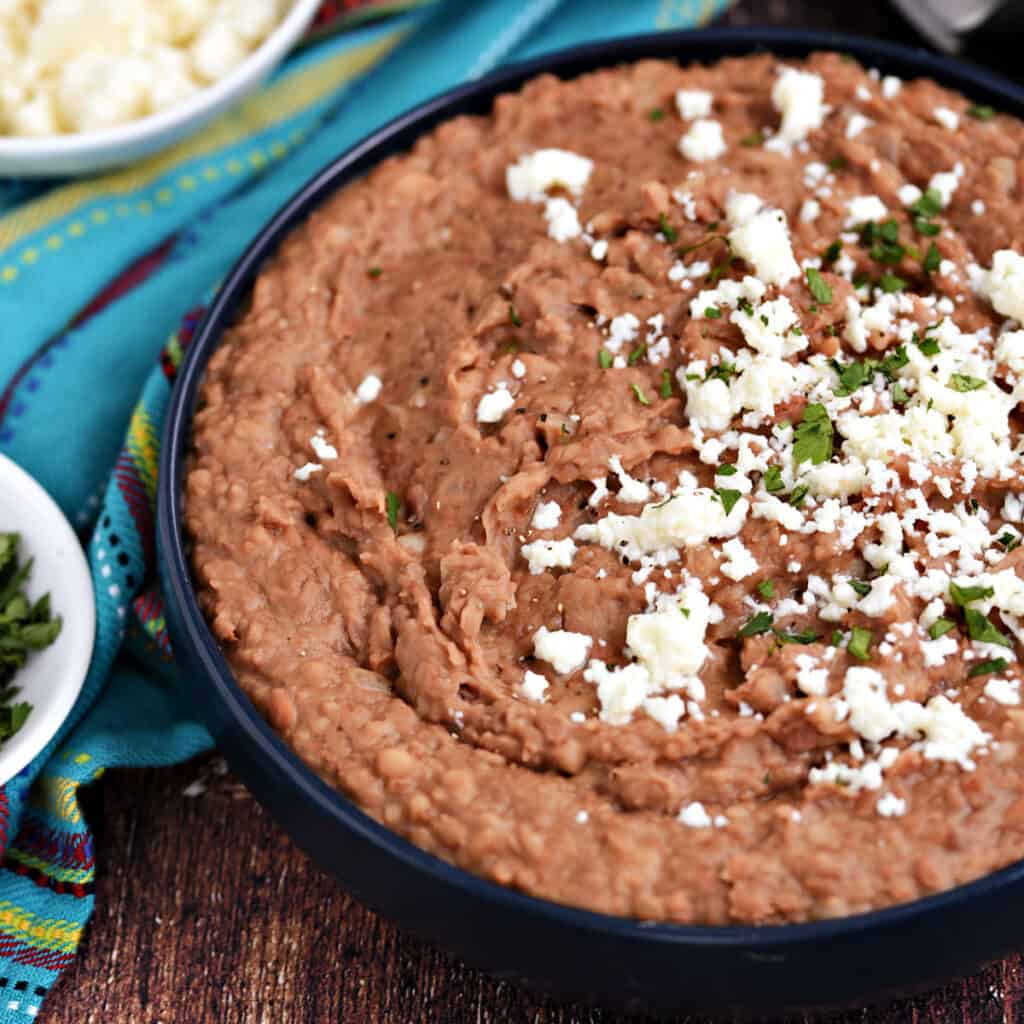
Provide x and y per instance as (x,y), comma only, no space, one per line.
(87,85)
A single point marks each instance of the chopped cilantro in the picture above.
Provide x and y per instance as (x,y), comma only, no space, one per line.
(861,587)
(746,307)
(940,627)
(604,359)
(981,111)
(889,230)
(666,384)
(755,138)
(760,623)
(926,227)
(684,611)
(818,286)
(932,259)
(899,394)
(860,643)
(638,393)
(929,346)
(813,436)
(962,596)
(831,254)
(721,371)
(666,229)
(988,667)
(393,506)
(894,361)
(806,637)
(375,271)
(712,313)
(773,479)
(637,354)
(837,163)
(928,204)
(852,376)
(517,320)
(766,588)
(837,637)
(980,627)
(657,114)
(964,382)
(728,498)
(1009,540)
(727,470)
(891,283)
(798,495)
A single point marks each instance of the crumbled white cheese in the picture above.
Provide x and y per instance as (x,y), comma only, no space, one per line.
(535,174)
(949,119)
(684,519)
(799,96)
(518,369)
(599,250)
(533,686)
(542,555)
(303,473)
(631,490)
(547,515)
(810,211)
(563,650)
(703,141)
(368,389)
(1003,285)
(322,449)
(944,184)
(761,237)
(694,816)
(563,221)
(741,563)
(693,103)
(1003,691)
(891,86)
(891,806)
(493,406)
(856,124)
(862,209)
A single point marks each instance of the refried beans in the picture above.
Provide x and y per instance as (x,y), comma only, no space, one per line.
(619,495)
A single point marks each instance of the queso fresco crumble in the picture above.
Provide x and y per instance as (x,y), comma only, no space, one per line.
(620,495)
(86,65)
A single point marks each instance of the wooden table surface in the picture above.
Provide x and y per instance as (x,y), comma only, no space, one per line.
(205,911)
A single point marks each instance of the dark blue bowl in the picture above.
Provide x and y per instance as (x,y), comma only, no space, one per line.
(557,949)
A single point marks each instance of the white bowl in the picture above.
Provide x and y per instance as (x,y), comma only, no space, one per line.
(84,152)
(52,678)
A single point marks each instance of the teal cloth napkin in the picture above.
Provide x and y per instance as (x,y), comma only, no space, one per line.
(100,285)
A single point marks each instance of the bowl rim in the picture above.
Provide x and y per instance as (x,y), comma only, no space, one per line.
(285,764)
(271,50)
(74,600)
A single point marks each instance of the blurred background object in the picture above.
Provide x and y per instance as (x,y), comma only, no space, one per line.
(984,30)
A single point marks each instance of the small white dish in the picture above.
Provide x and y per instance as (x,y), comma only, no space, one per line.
(85,152)
(52,678)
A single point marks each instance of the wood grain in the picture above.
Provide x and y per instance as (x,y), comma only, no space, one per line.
(205,912)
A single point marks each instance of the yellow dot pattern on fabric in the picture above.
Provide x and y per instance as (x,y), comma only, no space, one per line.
(256,159)
(164,196)
(35,930)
